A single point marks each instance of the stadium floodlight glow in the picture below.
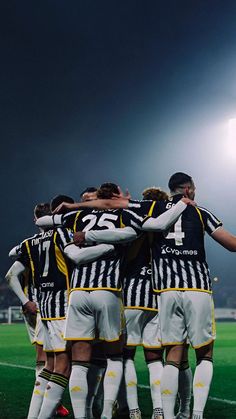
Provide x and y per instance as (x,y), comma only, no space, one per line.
(232,137)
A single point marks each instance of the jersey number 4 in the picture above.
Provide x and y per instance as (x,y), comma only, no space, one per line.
(177,235)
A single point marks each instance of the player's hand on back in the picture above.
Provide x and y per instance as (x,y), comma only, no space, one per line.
(61,207)
(188,201)
(30,307)
(79,238)
(121,194)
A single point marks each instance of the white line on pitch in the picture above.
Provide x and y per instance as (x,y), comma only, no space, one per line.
(24,367)
(216,399)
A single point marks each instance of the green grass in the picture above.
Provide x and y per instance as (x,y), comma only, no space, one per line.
(16,384)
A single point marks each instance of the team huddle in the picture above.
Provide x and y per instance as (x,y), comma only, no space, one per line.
(107,274)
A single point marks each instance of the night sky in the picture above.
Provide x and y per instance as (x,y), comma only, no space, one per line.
(128,92)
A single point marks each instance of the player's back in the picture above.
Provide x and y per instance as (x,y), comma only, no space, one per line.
(179,254)
(103,273)
(54,273)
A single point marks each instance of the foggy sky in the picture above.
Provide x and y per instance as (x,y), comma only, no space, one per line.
(128,92)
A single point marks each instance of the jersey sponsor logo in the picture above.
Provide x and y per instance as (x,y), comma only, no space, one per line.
(169,250)
(47,284)
(145,270)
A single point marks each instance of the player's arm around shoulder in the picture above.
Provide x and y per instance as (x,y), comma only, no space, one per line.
(167,218)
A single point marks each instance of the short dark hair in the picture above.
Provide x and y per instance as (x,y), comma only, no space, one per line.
(58,199)
(88,190)
(42,209)
(107,190)
(179,179)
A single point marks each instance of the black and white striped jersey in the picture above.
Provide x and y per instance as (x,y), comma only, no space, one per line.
(138,285)
(27,285)
(179,260)
(55,271)
(50,269)
(28,256)
(105,272)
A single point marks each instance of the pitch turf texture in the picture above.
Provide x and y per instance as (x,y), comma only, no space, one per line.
(17,375)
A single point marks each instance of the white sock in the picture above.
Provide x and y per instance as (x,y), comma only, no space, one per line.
(131,384)
(169,389)
(185,392)
(201,386)
(94,378)
(38,393)
(53,394)
(122,395)
(78,387)
(155,376)
(112,381)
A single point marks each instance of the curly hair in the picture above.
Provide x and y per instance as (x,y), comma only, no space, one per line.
(155,194)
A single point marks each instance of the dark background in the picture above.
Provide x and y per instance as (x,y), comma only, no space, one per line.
(129,92)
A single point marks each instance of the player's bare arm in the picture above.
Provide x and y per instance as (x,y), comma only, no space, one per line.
(225,238)
(96,203)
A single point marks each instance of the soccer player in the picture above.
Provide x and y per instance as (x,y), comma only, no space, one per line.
(181,276)
(24,288)
(23,282)
(142,326)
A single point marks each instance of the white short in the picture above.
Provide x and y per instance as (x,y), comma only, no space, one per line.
(53,335)
(94,314)
(142,328)
(187,314)
(38,333)
(30,322)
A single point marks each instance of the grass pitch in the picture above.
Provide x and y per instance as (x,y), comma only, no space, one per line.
(17,358)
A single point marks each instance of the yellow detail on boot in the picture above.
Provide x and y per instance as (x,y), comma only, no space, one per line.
(167,391)
(157,382)
(38,392)
(131,384)
(111,374)
(76,388)
(199,385)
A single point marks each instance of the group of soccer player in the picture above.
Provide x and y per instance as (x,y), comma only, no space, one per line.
(107,274)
